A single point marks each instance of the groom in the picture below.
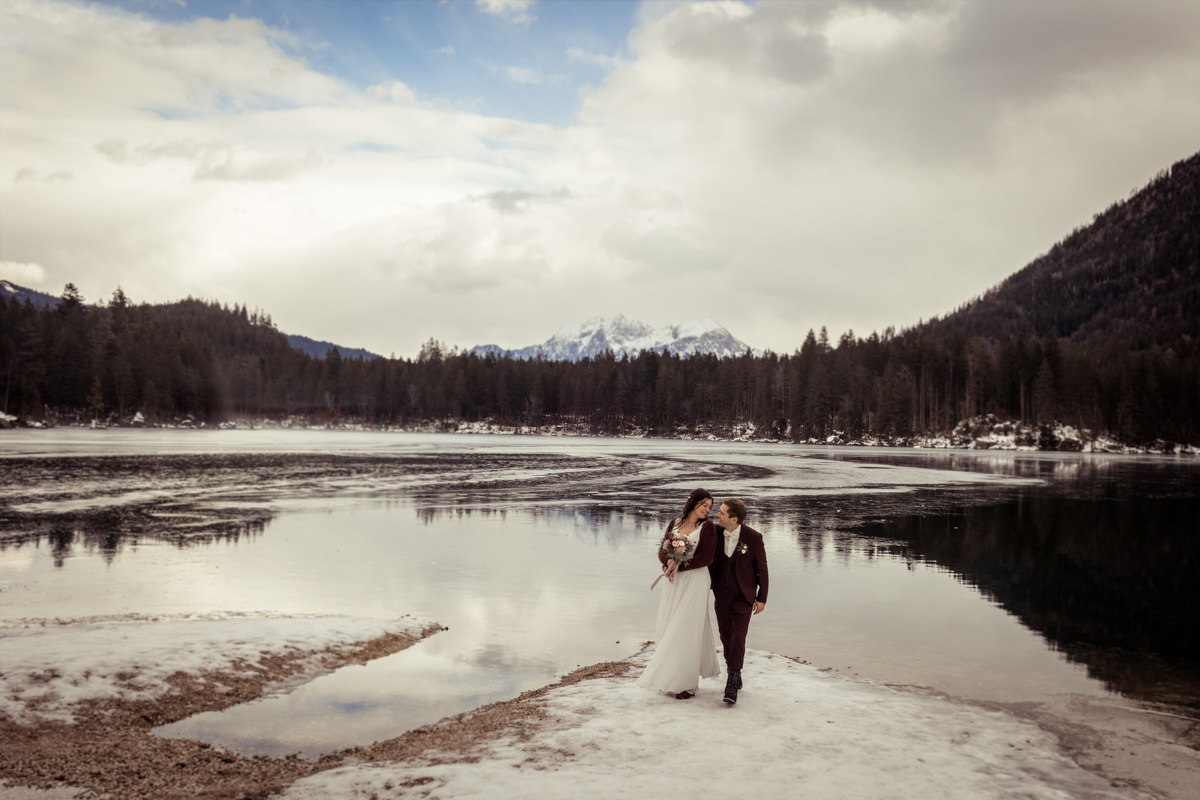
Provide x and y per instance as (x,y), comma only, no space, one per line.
(739,582)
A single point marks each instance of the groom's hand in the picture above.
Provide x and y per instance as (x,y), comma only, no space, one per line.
(758,607)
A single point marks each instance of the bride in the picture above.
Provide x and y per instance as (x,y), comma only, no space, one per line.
(686,648)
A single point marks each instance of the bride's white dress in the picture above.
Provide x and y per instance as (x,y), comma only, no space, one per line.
(686,648)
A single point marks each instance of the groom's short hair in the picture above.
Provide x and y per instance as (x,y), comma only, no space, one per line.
(736,509)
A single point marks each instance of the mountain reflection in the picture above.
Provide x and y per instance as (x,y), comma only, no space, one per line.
(1111,582)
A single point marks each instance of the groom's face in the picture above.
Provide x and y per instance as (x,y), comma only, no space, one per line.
(724,520)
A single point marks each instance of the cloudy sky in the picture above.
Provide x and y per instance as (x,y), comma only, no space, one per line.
(377,173)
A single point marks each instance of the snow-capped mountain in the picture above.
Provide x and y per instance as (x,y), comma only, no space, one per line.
(626,336)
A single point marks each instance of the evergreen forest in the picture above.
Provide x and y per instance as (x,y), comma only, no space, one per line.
(1100,333)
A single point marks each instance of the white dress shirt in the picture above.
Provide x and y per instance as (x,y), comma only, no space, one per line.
(731,540)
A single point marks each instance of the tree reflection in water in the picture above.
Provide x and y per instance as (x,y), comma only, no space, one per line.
(1111,582)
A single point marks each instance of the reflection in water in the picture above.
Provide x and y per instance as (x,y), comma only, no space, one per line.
(906,566)
(1111,581)
(524,595)
(607,525)
(366,703)
(1073,474)
(532,594)
(67,541)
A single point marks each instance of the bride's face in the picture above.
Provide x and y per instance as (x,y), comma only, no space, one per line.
(702,509)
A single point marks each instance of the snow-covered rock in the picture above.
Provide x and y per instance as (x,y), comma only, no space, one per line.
(986,432)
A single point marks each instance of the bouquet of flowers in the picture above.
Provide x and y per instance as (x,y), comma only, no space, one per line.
(678,550)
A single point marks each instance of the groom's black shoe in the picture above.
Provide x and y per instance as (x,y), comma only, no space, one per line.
(731,687)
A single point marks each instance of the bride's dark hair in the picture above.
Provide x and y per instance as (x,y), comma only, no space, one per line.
(694,499)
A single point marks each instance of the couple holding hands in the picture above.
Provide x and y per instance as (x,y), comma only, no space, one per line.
(696,556)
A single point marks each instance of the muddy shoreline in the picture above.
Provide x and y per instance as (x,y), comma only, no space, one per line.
(109,750)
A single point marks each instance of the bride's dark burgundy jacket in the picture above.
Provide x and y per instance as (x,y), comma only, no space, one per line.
(706,548)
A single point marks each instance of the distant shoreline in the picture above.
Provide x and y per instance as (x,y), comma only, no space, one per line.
(976,434)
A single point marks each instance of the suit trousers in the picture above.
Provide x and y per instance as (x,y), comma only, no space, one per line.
(733,623)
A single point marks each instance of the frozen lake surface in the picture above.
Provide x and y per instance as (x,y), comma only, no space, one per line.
(1005,577)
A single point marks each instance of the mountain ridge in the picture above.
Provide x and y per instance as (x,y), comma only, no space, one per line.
(313,347)
(624,336)
(1129,278)
(22,293)
(319,348)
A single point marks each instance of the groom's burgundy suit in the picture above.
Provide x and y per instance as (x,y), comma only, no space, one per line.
(738,581)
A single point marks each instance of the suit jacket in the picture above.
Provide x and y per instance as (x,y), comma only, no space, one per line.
(706,546)
(746,571)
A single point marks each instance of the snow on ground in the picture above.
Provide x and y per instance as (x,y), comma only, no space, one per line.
(45,668)
(796,732)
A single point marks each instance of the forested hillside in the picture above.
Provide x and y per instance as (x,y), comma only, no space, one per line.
(1100,333)
(1130,280)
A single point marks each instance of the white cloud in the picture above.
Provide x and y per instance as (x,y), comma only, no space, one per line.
(30,174)
(861,168)
(216,160)
(595,59)
(23,273)
(395,91)
(173,70)
(854,165)
(469,250)
(516,201)
(523,75)
(516,11)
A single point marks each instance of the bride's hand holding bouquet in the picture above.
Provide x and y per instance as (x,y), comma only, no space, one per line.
(678,550)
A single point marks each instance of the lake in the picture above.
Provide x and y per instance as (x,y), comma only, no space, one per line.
(994,576)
